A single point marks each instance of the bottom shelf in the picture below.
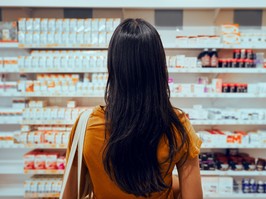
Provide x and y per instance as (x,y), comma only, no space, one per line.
(234,196)
(11,190)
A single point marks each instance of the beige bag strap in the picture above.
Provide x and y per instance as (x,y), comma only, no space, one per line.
(80,130)
(80,148)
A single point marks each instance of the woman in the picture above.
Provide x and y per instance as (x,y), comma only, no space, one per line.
(132,144)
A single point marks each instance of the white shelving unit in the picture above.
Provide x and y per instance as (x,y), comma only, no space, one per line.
(11,167)
(173,95)
(189,4)
(11,190)
(170,70)
(15,167)
(234,196)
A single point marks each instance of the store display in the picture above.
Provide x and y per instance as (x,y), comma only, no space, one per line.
(66,32)
(48,186)
(227,54)
(235,162)
(44,160)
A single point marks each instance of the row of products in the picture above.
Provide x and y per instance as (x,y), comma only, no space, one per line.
(250,185)
(241,59)
(6,138)
(10,115)
(68,25)
(97,60)
(52,113)
(62,62)
(217,185)
(229,186)
(228,34)
(203,86)
(44,160)
(77,39)
(216,137)
(232,160)
(43,184)
(58,83)
(42,137)
(198,112)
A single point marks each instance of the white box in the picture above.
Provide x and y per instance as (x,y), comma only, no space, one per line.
(225,185)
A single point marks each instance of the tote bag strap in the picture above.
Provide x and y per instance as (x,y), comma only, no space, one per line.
(86,115)
(81,127)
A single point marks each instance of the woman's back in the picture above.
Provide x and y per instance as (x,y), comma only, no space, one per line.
(94,144)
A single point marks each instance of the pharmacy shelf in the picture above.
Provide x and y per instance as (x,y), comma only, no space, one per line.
(228,122)
(33,146)
(229,173)
(218,70)
(8,45)
(175,95)
(233,173)
(234,196)
(58,46)
(44,172)
(11,167)
(41,195)
(11,190)
(170,70)
(48,122)
(232,146)
(140,4)
(13,121)
(253,46)
(194,122)
(67,70)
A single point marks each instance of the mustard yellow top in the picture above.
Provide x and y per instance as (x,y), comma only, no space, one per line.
(103,187)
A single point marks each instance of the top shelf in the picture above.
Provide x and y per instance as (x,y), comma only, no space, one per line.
(139,4)
(104,47)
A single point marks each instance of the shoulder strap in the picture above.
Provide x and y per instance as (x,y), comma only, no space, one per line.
(85,115)
(79,135)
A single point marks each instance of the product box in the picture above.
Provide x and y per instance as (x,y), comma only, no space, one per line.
(51,161)
(39,162)
(8,32)
(29,160)
(230,29)
(210,185)
(225,185)
(231,38)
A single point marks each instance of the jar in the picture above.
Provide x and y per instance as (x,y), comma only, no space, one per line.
(236,54)
(225,88)
(260,187)
(249,54)
(223,63)
(245,185)
(252,186)
(243,54)
(239,88)
(220,63)
(260,164)
(240,63)
(233,63)
(245,88)
(232,88)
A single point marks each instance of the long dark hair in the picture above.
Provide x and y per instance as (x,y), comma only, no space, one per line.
(138,110)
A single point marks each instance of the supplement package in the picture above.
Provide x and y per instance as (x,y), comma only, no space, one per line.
(8,32)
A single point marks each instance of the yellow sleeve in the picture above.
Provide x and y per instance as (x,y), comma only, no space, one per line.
(194,140)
